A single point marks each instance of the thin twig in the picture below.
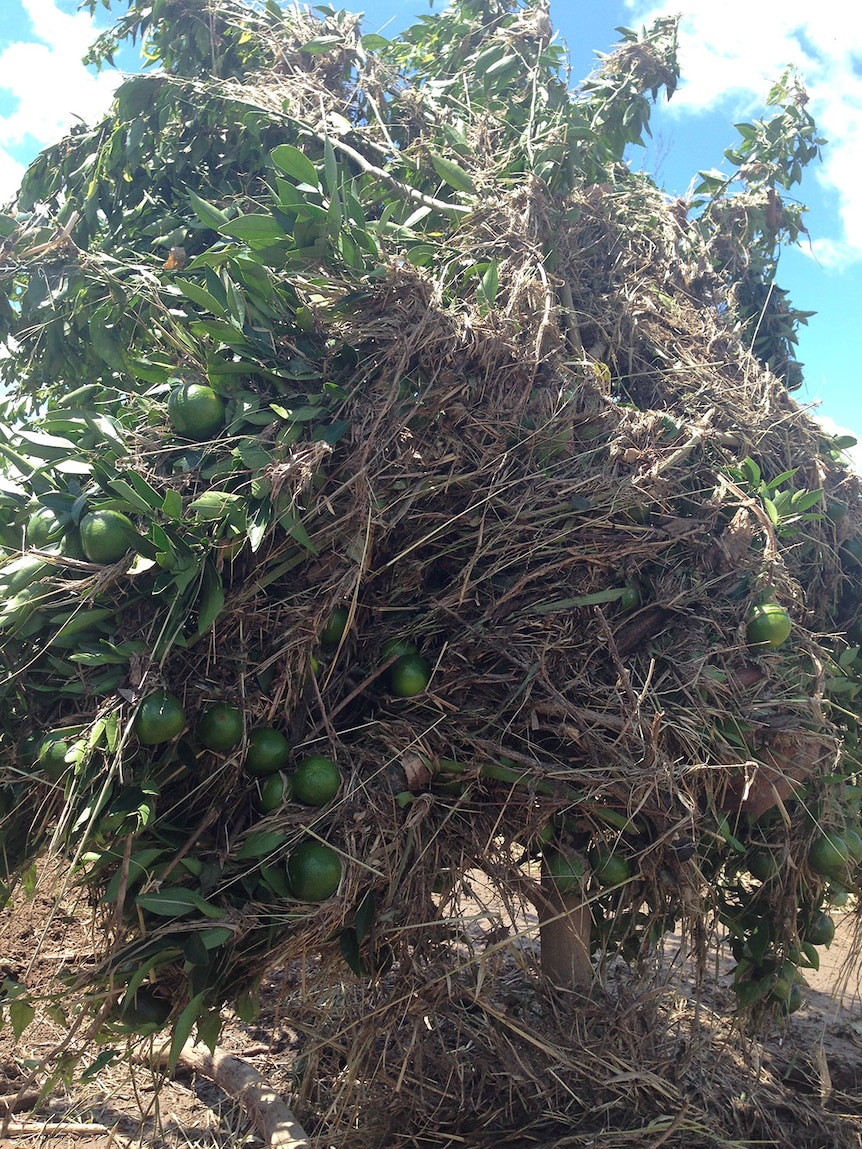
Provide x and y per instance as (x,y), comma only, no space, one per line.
(390,180)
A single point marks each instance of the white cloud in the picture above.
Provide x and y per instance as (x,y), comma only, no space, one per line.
(730,53)
(10,175)
(53,88)
(854,454)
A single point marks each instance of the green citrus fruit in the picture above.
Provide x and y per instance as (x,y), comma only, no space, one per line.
(145,1009)
(106,536)
(129,812)
(28,749)
(820,931)
(290,433)
(769,623)
(160,718)
(316,780)
(273,792)
(763,865)
(837,896)
(609,869)
(788,993)
(829,856)
(545,836)
(443,882)
(71,546)
(409,675)
(836,510)
(220,727)
(51,754)
(567,870)
(196,411)
(334,628)
(268,750)
(631,596)
(795,998)
(854,842)
(398,646)
(313,871)
(304,318)
(44,529)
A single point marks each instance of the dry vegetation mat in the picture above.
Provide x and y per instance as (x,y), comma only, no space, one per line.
(431,512)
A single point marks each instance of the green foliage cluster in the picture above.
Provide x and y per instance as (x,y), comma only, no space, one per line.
(747,220)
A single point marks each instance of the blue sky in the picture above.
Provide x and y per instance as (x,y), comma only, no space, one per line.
(729,53)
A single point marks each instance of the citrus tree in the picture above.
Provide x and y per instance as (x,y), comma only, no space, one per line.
(394,484)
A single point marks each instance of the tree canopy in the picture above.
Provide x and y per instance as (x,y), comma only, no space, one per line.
(394,483)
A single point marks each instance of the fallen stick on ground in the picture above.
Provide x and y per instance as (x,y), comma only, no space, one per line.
(52,1128)
(272,1119)
(10,1103)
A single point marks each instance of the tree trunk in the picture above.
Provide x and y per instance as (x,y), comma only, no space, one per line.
(564,934)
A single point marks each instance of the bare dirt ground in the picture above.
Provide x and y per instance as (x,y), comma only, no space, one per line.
(816,1051)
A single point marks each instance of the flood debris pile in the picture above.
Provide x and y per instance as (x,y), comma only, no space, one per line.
(426,515)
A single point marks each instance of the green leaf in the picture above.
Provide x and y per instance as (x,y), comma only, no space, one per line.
(296,530)
(236,303)
(772,511)
(194,950)
(209,215)
(726,833)
(812,955)
(212,505)
(321,44)
(105,345)
(139,865)
(804,500)
(172,505)
(750,992)
(106,1057)
(349,946)
(21,1013)
(365,914)
(487,57)
(595,599)
(211,599)
(487,291)
(128,493)
(784,477)
(183,1029)
(209,1028)
(44,446)
(295,164)
(248,1006)
(372,42)
(260,843)
(751,471)
(330,167)
(258,230)
(215,936)
(227,333)
(452,173)
(201,296)
(274,878)
(177,902)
